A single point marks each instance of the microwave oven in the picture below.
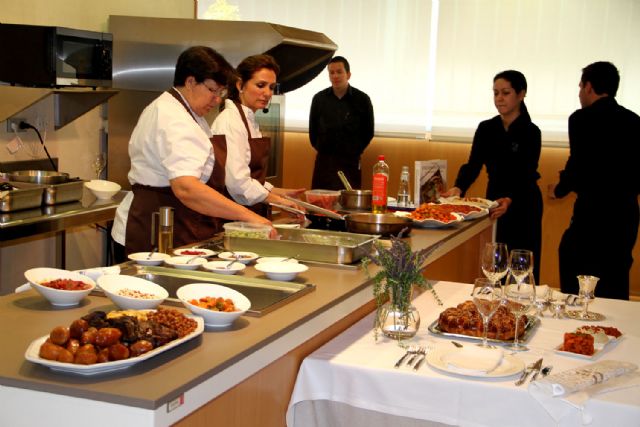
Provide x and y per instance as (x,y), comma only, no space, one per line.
(42,56)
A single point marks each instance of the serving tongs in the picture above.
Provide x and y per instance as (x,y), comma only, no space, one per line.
(288,209)
(316,209)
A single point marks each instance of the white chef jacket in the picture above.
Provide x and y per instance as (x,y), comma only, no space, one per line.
(242,188)
(165,144)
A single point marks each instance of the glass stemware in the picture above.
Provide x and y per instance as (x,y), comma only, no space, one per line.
(520,263)
(520,296)
(487,295)
(587,294)
(99,162)
(495,261)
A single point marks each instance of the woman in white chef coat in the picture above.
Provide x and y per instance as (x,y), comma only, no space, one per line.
(172,158)
(247,151)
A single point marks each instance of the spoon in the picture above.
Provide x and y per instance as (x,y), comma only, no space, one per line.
(154,250)
(345,181)
(228,266)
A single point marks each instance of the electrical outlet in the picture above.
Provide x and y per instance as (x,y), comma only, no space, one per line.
(14,123)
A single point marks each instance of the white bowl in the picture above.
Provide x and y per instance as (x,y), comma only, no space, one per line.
(284,271)
(58,297)
(102,189)
(112,284)
(194,251)
(243,257)
(276,259)
(213,318)
(223,267)
(144,259)
(185,262)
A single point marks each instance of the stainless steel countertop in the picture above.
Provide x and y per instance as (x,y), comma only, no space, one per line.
(45,219)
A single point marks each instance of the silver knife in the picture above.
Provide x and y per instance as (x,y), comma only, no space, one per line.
(537,367)
(528,371)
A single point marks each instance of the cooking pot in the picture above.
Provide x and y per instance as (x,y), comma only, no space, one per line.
(356,199)
(38,177)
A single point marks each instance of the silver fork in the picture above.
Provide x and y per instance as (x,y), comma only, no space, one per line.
(423,355)
(421,350)
(410,350)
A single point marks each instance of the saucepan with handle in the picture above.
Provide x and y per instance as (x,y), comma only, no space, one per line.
(353,199)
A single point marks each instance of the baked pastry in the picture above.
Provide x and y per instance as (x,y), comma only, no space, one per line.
(465,319)
(578,343)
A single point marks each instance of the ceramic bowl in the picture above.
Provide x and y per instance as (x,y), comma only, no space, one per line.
(284,271)
(102,189)
(223,267)
(194,251)
(213,318)
(58,297)
(276,259)
(185,262)
(243,257)
(113,284)
(143,258)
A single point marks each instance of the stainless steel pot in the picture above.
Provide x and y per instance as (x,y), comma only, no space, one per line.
(383,224)
(356,199)
(38,177)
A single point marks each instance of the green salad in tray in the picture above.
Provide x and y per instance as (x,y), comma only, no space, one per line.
(247,230)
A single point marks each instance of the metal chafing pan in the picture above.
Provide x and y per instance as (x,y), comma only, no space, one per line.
(308,245)
(23,196)
(69,191)
(38,177)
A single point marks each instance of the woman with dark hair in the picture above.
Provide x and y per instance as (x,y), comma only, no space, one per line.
(245,150)
(509,146)
(172,159)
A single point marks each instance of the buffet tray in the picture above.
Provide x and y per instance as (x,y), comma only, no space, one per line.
(308,245)
(69,191)
(24,196)
(532,323)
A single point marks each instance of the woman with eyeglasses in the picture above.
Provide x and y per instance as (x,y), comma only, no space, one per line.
(172,159)
(247,151)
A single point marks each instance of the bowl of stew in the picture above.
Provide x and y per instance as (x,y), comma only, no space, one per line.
(62,288)
(218,305)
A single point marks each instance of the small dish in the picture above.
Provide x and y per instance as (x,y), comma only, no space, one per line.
(284,271)
(213,318)
(194,251)
(243,257)
(143,258)
(223,267)
(143,294)
(102,189)
(59,297)
(185,262)
(276,259)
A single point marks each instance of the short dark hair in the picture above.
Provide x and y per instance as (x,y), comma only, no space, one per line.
(344,61)
(603,76)
(249,66)
(202,63)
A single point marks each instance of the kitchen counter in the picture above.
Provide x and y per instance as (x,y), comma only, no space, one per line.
(194,376)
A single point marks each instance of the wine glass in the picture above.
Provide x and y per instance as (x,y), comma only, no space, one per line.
(520,295)
(586,293)
(495,261)
(520,263)
(99,162)
(487,295)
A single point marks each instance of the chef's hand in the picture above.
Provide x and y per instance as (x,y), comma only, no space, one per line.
(453,191)
(501,209)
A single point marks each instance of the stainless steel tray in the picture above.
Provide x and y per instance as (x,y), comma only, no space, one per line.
(24,196)
(308,245)
(532,323)
(70,191)
(265,295)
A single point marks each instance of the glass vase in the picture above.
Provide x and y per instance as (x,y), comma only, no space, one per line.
(399,320)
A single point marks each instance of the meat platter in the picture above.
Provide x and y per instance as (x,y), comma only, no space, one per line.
(532,323)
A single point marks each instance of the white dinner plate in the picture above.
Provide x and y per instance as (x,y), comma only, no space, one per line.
(32,355)
(598,349)
(429,223)
(189,252)
(510,365)
(474,201)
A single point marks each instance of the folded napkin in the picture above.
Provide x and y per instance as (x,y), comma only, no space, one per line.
(95,273)
(567,391)
(473,360)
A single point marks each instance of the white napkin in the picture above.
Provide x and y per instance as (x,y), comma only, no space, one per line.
(562,393)
(473,360)
(95,273)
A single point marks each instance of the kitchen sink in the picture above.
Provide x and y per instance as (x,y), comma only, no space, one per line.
(265,295)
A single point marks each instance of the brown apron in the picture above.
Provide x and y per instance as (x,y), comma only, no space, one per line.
(189,225)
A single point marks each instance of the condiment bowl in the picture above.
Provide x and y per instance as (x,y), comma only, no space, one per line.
(284,271)
(185,262)
(195,291)
(59,297)
(224,267)
(102,189)
(194,251)
(132,293)
(143,258)
(276,259)
(243,257)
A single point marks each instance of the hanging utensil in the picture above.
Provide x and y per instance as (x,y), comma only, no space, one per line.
(345,181)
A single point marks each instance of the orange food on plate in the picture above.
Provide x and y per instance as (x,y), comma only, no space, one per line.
(609,330)
(442,213)
(66,285)
(578,343)
(215,304)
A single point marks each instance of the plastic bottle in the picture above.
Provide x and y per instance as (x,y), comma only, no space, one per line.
(380,180)
(403,188)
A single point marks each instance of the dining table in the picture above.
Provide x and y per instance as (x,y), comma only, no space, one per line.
(352,380)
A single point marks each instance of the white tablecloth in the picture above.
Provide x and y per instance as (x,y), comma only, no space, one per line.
(355,370)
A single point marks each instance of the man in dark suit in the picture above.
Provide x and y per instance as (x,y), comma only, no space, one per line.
(602,169)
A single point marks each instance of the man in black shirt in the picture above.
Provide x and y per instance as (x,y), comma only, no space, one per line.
(604,149)
(340,128)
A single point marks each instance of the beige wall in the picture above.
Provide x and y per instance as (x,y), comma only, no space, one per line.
(298,167)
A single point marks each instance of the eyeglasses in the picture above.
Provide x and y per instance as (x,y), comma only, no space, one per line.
(220,92)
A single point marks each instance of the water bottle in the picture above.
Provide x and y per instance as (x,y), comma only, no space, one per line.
(379,187)
(403,189)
